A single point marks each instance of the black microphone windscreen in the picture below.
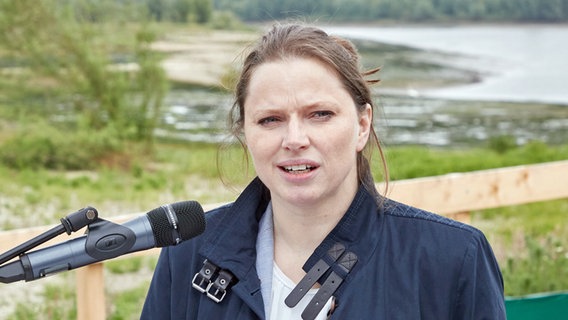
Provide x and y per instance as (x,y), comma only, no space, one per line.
(190,222)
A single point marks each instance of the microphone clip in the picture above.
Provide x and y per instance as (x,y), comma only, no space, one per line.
(107,240)
(71,223)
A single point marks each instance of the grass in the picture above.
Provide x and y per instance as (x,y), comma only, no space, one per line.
(182,171)
(528,240)
(60,303)
(128,304)
(530,244)
(418,161)
(136,182)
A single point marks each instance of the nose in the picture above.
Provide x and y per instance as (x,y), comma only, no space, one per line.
(295,137)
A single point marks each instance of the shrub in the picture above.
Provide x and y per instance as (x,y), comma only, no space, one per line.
(502,144)
(45,146)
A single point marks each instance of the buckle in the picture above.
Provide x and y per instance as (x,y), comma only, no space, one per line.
(217,290)
(202,280)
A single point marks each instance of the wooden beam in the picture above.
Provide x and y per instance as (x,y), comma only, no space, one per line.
(462,192)
(445,194)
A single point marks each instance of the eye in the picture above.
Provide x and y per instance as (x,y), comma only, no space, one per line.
(322,114)
(268,120)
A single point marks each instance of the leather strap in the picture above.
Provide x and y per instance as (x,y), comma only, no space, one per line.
(313,275)
(331,284)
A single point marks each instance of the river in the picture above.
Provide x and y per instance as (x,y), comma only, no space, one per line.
(522,91)
(522,63)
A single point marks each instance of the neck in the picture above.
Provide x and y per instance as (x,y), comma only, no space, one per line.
(299,230)
(304,228)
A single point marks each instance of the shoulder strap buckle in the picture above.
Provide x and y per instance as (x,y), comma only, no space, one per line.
(202,280)
(217,290)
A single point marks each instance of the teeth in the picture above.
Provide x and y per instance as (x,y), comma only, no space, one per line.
(301,167)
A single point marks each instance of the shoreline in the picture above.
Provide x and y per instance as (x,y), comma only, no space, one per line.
(508,58)
(203,57)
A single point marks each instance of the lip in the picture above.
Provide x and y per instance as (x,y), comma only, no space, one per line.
(298,176)
(297,162)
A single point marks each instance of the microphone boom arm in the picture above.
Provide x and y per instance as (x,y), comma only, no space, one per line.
(71,223)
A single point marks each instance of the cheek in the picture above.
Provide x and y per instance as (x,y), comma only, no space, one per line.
(341,143)
(259,144)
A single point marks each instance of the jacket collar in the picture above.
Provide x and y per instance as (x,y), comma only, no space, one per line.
(358,231)
(233,245)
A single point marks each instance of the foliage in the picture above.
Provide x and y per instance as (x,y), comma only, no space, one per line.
(43,146)
(502,144)
(225,20)
(180,11)
(62,54)
(408,10)
(530,244)
(518,234)
(418,161)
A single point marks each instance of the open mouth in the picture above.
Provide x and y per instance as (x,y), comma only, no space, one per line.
(297,169)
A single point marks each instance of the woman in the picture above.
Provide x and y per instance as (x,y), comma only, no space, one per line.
(310,237)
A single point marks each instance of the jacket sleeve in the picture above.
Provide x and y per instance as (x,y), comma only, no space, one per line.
(480,292)
(158,299)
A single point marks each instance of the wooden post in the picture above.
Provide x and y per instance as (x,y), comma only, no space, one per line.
(91,292)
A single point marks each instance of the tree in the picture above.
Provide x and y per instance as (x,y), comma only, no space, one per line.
(203,10)
(414,10)
(65,52)
(180,10)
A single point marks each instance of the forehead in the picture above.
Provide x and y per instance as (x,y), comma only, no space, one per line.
(294,77)
(292,64)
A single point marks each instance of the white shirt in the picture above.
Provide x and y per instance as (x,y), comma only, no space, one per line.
(281,288)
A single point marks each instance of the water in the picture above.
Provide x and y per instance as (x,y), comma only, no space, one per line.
(522,93)
(200,115)
(524,63)
(196,115)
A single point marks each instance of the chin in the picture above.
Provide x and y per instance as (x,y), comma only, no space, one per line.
(301,198)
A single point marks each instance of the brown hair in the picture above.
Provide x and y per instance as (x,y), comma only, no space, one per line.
(295,40)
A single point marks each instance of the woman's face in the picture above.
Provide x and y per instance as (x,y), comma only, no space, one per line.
(303,132)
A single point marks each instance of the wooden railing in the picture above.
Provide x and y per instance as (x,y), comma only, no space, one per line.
(454,195)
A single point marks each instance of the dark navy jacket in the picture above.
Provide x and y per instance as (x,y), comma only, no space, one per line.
(411,265)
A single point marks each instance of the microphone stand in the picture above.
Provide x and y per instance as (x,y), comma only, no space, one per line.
(71,223)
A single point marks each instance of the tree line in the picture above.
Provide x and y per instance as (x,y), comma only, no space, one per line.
(180,11)
(405,10)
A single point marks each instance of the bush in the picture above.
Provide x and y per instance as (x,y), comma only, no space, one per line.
(502,144)
(44,146)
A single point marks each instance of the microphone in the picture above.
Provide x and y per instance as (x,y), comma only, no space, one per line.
(164,226)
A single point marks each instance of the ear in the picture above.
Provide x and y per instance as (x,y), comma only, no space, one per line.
(365,121)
